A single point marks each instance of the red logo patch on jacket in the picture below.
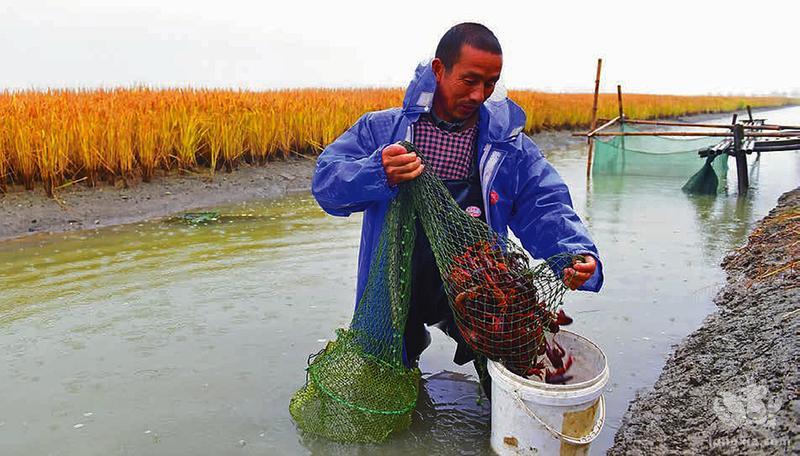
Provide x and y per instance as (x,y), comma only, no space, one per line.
(493,197)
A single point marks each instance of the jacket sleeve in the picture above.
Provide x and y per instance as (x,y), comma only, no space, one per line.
(542,216)
(349,175)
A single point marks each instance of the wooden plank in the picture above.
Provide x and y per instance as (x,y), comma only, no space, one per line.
(743,180)
(777,145)
(775,141)
(722,145)
(747,146)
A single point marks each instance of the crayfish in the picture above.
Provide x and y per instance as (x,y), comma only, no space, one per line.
(498,308)
(555,354)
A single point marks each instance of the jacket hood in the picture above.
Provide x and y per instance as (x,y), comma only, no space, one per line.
(506,119)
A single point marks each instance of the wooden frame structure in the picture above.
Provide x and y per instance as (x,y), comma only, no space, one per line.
(741,137)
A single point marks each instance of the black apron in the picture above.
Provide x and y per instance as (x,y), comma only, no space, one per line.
(429,303)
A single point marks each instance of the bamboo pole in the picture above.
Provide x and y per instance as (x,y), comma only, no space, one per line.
(603,127)
(771,127)
(594,118)
(676,124)
(621,123)
(705,125)
(692,133)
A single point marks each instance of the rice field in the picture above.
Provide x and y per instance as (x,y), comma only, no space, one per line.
(57,137)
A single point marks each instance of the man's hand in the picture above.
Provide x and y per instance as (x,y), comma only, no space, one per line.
(580,271)
(400,165)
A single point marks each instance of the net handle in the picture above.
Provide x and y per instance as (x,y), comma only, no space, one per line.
(586,439)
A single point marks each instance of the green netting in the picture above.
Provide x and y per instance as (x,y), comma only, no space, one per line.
(705,181)
(653,155)
(352,396)
(358,389)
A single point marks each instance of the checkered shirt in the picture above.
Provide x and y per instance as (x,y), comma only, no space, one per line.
(448,154)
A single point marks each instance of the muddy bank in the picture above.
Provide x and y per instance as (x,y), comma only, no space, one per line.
(733,386)
(80,207)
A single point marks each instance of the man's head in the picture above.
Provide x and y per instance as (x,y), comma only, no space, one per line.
(467,65)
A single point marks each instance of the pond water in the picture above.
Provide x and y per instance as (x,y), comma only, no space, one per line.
(163,338)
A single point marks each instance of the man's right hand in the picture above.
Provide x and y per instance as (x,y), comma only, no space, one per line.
(400,165)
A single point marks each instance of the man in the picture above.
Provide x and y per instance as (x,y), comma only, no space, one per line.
(475,144)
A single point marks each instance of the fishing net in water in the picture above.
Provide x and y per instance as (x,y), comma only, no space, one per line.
(705,181)
(658,156)
(358,388)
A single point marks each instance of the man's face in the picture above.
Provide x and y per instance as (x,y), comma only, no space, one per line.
(461,91)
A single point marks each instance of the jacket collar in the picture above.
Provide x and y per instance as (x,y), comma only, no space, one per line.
(500,119)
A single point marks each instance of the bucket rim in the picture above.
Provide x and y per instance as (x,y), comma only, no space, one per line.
(598,380)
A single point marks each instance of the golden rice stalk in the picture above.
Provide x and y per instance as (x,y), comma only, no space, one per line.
(190,133)
(212,140)
(232,141)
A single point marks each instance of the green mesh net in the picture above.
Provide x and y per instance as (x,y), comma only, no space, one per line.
(653,156)
(705,181)
(358,388)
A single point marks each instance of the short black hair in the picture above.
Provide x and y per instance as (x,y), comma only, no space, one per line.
(471,33)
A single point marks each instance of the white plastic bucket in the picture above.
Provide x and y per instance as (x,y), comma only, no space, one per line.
(533,417)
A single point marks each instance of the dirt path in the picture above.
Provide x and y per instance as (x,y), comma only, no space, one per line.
(733,386)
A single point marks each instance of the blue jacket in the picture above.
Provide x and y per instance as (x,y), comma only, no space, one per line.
(533,199)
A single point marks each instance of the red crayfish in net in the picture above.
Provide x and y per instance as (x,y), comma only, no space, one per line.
(499,310)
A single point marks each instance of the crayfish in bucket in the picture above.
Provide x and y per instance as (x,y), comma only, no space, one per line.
(555,354)
(502,315)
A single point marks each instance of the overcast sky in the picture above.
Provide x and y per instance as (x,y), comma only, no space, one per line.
(681,47)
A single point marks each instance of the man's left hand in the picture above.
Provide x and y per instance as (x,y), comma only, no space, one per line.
(580,271)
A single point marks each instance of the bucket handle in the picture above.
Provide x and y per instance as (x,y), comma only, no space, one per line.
(586,439)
